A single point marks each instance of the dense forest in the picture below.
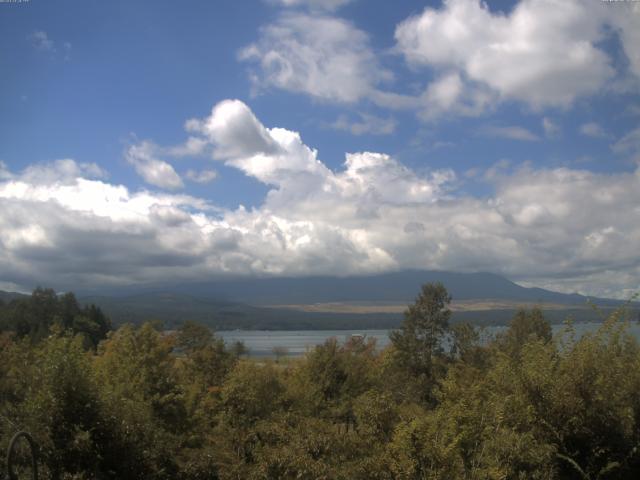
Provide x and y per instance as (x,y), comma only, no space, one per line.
(439,403)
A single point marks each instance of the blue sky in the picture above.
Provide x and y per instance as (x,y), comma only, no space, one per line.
(499,136)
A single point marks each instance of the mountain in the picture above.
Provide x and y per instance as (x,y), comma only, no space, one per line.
(389,287)
(309,302)
(174,308)
(375,301)
(6,297)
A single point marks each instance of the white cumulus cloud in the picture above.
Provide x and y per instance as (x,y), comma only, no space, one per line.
(593,129)
(321,56)
(551,128)
(153,170)
(511,132)
(203,176)
(545,52)
(629,143)
(41,41)
(562,228)
(365,124)
(234,131)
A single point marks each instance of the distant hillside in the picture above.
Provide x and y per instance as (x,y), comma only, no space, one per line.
(300,303)
(6,297)
(389,287)
(174,308)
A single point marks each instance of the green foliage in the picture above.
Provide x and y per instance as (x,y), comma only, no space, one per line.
(193,336)
(280,352)
(250,393)
(136,366)
(525,327)
(33,317)
(418,343)
(425,324)
(148,404)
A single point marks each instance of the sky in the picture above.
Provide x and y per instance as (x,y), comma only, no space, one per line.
(156,141)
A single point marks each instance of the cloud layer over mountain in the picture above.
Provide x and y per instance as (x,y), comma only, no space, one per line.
(64,224)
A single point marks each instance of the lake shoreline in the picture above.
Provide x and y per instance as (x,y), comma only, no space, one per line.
(261,343)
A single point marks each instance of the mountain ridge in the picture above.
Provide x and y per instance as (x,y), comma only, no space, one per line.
(401,286)
(261,303)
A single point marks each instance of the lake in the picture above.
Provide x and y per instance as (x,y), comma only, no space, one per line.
(297,342)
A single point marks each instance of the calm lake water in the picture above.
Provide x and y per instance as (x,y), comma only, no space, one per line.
(297,342)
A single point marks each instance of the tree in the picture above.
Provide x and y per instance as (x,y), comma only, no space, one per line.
(34,317)
(207,360)
(93,323)
(238,348)
(525,327)
(193,336)
(420,337)
(280,352)
(63,410)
